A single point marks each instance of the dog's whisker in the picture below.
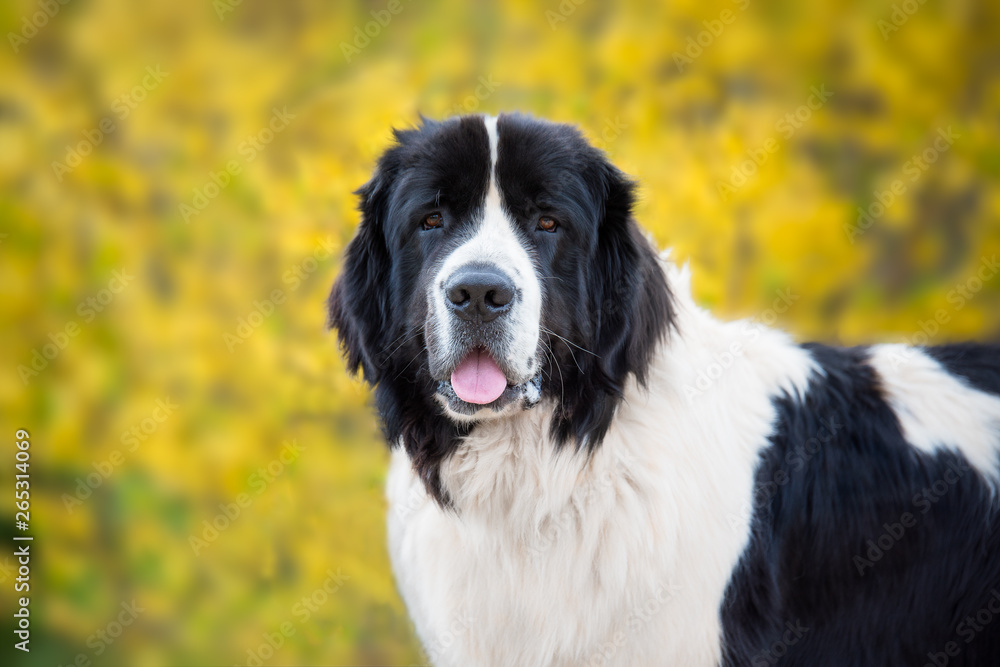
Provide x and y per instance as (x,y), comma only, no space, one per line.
(408,339)
(562,382)
(403,370)
(575,362)
(582,349)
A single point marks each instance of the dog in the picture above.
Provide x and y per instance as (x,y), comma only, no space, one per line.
(588,469)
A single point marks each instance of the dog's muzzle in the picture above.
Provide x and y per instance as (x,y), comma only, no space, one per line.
(480,299)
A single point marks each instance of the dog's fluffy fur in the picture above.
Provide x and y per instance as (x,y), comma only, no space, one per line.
(653,487)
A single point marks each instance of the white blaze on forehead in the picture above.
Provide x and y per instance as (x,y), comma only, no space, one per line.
(494,219)
(494,135)
(495,241)
(938,410)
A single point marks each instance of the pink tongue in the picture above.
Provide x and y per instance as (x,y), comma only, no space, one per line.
(478,379)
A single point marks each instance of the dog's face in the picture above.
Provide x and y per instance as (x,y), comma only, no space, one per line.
(496,267)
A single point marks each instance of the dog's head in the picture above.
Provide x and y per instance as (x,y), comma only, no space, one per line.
(497,267)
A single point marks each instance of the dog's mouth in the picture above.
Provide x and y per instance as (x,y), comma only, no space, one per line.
(478,383)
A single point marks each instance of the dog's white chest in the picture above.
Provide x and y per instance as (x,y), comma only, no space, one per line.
(564,562)
(591,585)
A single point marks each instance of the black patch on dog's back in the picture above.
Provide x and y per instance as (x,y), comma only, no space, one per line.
(831,575)
(978,364)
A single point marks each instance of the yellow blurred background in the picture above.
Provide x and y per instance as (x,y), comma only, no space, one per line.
(177,181)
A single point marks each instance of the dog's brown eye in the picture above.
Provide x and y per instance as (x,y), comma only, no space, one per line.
(433,221)
(547,224)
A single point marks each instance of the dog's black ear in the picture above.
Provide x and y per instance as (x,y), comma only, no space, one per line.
(633,307)
(360,308)
(360,302)
(630,309)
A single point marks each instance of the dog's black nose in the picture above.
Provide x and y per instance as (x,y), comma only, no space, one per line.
(479,293)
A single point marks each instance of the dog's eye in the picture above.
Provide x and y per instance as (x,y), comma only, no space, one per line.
(433,221)
(547,224)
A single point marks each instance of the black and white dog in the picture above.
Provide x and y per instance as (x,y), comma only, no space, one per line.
(578,480)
